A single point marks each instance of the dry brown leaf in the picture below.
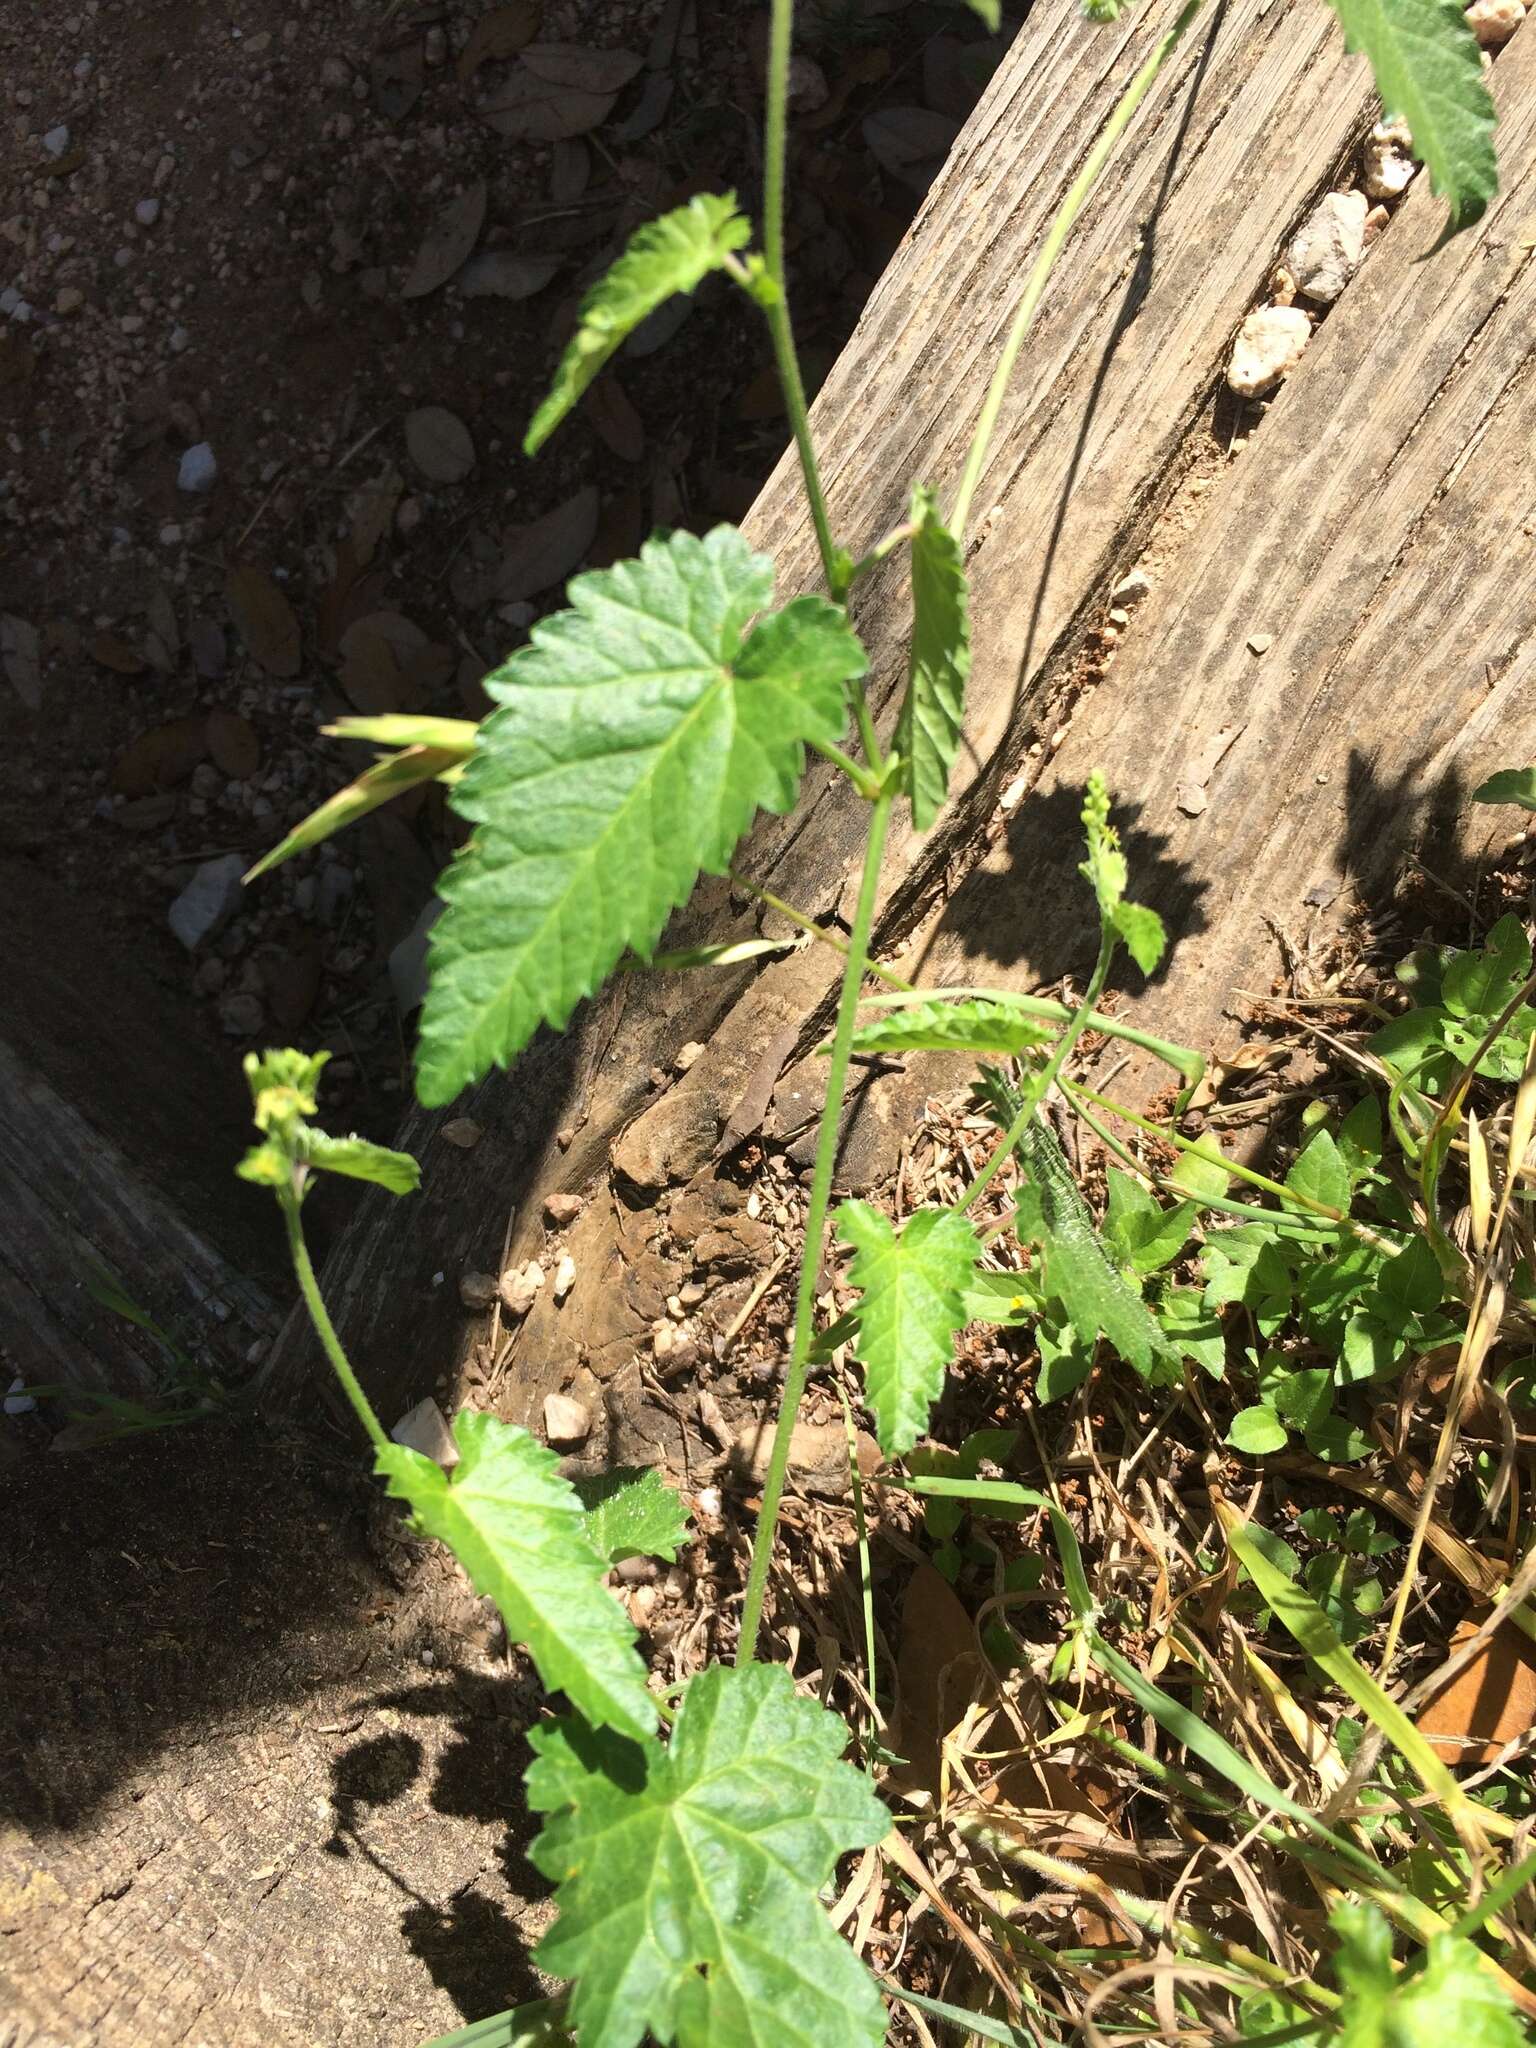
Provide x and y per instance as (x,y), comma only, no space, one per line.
(291,979)
(620,530)
(162,757)
(396,79)
(650,109)
(160,614)
(938,1667)
(503,274)
(545,551)
(866,66)
(234,744)
(499,35)
(371,509)
(448,243)
(21,659)
(559,90)
(614,419)
(116,654)
(570,170)
(439,444)
(210,655)
(265,619)
(1489,1703)
(376,653)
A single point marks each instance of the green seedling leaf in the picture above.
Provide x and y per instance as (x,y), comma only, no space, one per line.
(1336,1441)
(733,953)
(1002,1298)
(1454,1997)
(397,1172)
(530,2026)
(1140,929)
(928,732)
(913,1300)
(1138,1230)
(1302,1397)
(1480,984)
(688,1876)
(982,1026)
(1066,1359)
(632,1512)
(285,1090)
(1257,1431)
(1427,68)
(666,256)
(1320,1174)
(635,738)
(1509,786)
(454,736)
(1412,1047)
(1201,1172)
(377,785)
(1146,938)
(1359,1139)
(521,1533)
(1193,1329)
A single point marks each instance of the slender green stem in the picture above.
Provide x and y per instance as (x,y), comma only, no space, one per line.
(896,538)
(869,739)
(861,779)
(775,300)
(1045,262)
(798,1368)
(325,1329)
(1039,1085)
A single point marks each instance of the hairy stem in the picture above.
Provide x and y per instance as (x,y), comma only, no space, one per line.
(798,1369)
(776,299)
(325,1329)
(1045,262)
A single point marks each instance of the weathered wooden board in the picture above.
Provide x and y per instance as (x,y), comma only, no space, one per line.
(1243,132)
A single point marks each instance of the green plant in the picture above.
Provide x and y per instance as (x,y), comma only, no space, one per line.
(633,741)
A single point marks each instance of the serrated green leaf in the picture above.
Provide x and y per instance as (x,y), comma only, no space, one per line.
(1145,938)
(397,1172)
(1453,1998)
(912,1291)
(1509,786)
(666,256)
(1257,1431)
(632,1512)
(635,739)
(688,1876)
(932,715)
(981,1026)
(1428,69)
(520,1532)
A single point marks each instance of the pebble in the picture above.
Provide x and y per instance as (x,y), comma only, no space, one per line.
(1387,164)
(1325,252)
(208,901)
(477,1290)
(69,300)
(1269,343)
(566,1421)
(147,212)
(519,1288)
(56,141)
(199,471)
(463,1132)
(16,1402)
(561,1209)
(180,341)
(170,536)
(241,1014)
(1131,589)
(1260,643)
(565,1276)
(687,1054)
(1493,22)
(425,1428)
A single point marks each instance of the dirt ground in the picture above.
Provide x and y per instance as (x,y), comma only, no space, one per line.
(257,1767)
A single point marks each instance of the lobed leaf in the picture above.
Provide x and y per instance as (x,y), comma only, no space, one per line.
(521,1534)
(635,738)
(913,1298)
(666,256)
(932,714)
(688,1876)
(1428,69)
(939,1026)
(1454,1997)
(632,1512)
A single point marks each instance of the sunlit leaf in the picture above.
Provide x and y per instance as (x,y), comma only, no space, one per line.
(928,733)
(521,1533)
(1509,786)
(673,254)
(632,1512)
(977,1026)
(688,1876)
(913,1288)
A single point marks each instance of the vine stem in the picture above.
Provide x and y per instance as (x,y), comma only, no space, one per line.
(798,1369)
(1061,227)
(776,300)
(325,1329)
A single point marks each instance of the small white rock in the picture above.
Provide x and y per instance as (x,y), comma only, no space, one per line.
(686,1055)
(56,141)
(519,1289)
(16,1402)
(565,1421)
(424,1428)
(208,901)
(565,1276)
(1131,589)
(147,212)
(1269,344)
(1493,22)
(199,471)
(1386,162)
(1325,252)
